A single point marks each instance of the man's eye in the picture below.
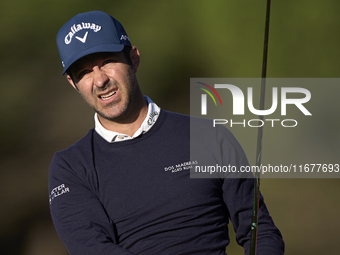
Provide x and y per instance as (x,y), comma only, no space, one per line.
(82,73)
(109,61)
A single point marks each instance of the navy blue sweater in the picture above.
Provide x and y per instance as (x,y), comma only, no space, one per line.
(137,197)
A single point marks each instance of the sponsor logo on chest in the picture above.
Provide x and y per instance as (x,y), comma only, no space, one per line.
(180,167)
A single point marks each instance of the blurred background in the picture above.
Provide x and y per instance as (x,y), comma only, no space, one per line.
(178,40)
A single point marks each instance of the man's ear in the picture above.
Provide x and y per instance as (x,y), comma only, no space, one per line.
(135,58)
(70,80)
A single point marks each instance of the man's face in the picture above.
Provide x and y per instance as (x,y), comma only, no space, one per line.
(107,83)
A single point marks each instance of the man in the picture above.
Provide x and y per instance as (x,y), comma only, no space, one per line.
(125,188)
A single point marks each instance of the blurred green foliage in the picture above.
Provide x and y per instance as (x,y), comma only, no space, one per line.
(40,113)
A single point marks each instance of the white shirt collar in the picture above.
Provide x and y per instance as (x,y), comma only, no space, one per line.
(149,121)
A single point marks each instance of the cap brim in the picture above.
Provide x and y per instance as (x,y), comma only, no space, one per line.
(96,49)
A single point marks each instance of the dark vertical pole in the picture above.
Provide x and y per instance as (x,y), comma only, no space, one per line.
(259,138)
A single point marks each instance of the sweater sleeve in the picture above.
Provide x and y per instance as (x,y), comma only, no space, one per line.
(238,196)
(79,217)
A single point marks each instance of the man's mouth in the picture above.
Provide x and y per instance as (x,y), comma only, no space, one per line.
(108,96)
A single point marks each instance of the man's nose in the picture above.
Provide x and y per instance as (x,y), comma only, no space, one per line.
(99,77)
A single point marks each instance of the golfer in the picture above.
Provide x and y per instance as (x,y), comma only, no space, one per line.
(125,187)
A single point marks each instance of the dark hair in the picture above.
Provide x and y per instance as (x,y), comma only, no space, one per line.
(126,52)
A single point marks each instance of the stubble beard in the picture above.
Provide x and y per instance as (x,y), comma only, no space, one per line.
(116,117)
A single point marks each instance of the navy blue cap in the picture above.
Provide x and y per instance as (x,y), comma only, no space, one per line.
(88,33)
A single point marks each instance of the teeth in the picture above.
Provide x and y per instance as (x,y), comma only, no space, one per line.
(106,97)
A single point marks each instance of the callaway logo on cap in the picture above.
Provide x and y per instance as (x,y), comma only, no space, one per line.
(88,33)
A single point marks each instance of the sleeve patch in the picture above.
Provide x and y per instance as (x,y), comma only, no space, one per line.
(58,191)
